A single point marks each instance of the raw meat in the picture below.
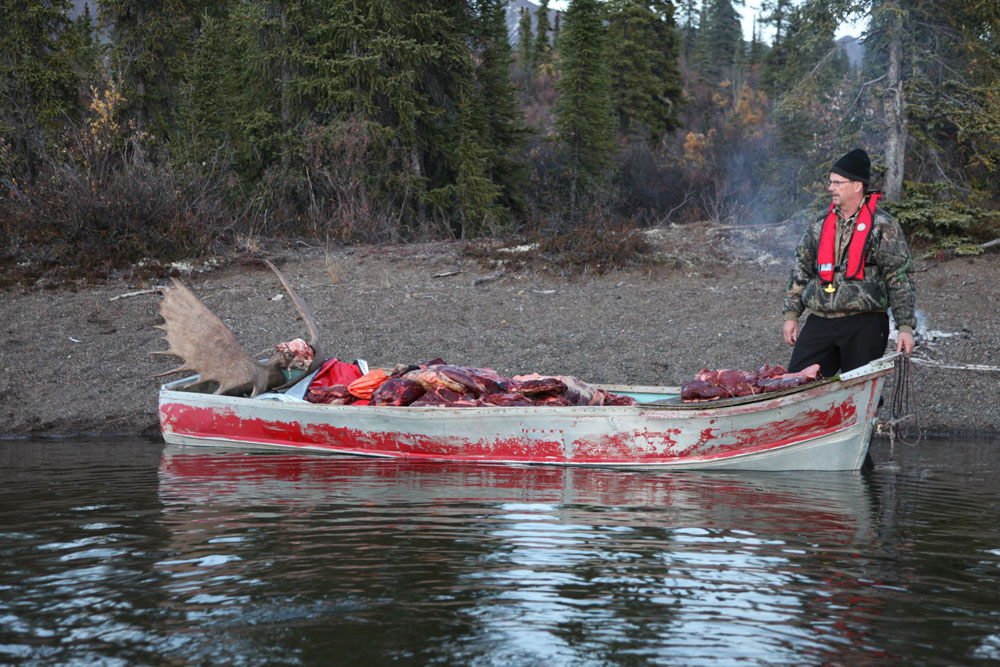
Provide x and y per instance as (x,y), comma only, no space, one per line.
(440,396)
(445,385)
(725,383)
(779,383)
(335,395)
(701,390)
(432,378)
(617,399)
(397,391)
(507,399)
(539,388)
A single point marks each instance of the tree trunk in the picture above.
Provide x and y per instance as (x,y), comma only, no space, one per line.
(895,143)
(286,76)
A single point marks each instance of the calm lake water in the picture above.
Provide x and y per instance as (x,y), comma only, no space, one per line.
(129,552)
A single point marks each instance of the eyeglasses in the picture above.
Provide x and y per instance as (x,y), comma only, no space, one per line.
(837,184)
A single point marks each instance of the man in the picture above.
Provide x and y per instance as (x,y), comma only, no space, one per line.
(851,265)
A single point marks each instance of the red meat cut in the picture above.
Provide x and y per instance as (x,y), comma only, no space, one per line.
(397,391)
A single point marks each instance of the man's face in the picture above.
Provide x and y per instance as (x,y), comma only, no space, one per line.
(846,193)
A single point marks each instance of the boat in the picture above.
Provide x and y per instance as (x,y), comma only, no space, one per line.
(823,425)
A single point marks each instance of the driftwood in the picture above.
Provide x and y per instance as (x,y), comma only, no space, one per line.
(762,225)
(956,367)
(490,278)
(151,290)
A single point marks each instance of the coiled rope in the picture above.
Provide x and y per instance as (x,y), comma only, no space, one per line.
(903,405)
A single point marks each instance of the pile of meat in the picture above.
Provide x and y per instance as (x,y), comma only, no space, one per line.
(437,383)
(712,385)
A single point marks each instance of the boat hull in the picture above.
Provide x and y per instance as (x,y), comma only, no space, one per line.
(823,427)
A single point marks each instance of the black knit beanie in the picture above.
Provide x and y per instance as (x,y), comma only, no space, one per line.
(855,165)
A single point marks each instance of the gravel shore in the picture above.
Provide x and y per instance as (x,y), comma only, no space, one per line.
(76,360)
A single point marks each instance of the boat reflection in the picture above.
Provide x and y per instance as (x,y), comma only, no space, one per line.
(834,506)
(530,558)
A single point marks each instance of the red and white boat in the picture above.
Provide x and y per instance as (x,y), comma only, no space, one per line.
(824,425)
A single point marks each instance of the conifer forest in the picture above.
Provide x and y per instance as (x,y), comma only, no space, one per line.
(147,131)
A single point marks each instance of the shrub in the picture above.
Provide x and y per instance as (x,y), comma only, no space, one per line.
(341,184)
(934,221)
(72,222)
(594,245)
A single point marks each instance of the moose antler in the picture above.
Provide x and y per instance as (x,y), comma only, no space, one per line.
(207,346)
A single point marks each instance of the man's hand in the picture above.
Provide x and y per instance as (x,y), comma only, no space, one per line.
(904,342)
(792,331)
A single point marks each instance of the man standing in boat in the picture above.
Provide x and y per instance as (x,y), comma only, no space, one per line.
(851,265)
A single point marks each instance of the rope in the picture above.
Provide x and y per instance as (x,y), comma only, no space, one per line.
(902,405)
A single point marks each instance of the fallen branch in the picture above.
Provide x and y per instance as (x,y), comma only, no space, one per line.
(760,225)
(957,367)
(485,279)
(989,244)
(151,290)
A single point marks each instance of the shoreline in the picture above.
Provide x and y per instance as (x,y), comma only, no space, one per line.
(77,359)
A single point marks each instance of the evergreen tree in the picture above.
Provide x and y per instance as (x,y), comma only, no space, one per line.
(525,42)
(39,83)
(643,64)
(556,31)
(931,60)
(687,27)
(543,46)
(775,13)
(811,84)
(407,70)
(701,56)
(583,110)
(809,49)
(756,50)
(724,36)
(230,97)
(504,130)
(148,41)
(476,195)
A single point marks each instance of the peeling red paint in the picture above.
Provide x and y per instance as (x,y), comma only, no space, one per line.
(225,424)
(701,436)
(625,446)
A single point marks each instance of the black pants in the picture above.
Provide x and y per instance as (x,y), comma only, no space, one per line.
(840,344)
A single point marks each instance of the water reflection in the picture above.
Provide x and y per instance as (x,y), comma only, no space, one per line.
(129,553)
(534,560)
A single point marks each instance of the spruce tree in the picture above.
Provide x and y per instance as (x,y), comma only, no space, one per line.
(583,109)
(504,129)
(525,42)
(476,196)
(407,70)
(543,46)
(701,55)
(148,41)
(39,83)
(645,80)
(724,36)
(230,98)
(687,27)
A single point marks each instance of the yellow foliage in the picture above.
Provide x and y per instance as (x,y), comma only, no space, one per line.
(103,105)
(696,147)
(751,106)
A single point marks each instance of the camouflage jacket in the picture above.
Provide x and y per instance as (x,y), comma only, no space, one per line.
(888,275)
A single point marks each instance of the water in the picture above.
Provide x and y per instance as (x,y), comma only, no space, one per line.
(129,553)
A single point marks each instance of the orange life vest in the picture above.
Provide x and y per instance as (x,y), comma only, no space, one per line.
(855,251)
